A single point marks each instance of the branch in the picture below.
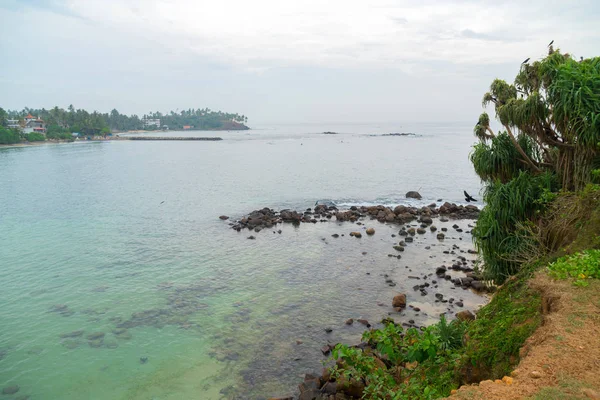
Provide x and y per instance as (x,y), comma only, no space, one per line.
(529,161)
(492,135)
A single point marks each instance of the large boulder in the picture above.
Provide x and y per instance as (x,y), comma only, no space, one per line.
(465,315)
(413,195)
(399,301)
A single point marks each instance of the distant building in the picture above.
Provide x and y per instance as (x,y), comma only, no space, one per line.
(152,122)
(33,124)
(187,127)
(13,124)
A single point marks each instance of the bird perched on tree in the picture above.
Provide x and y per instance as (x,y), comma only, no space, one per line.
(525,62)
(468,197)
(551,43)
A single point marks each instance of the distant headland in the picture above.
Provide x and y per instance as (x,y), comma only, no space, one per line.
(58,124)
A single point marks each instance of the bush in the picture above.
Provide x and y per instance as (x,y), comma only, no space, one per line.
(9,136)
(580,266)
(35,137)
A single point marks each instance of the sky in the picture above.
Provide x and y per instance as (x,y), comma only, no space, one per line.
(280,61)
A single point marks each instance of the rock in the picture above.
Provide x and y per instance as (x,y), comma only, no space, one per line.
(95,336)
(508,380)
(143,360)
(357,235)
(364,322)
(399,248)
(224,217)
(96,343)
(411,231)
(71,334)
(328,330)
(421,231)
(459,304)
(535,374)
(251,237)
(478,285)
(413,195)
(441,270)
(335,235)
(11,389)
(441,236)
(433,228)
(408,239)
(326,349)
(329,388)
(370,231)
(465,315)
(426,220)
(349,321)
(399,301)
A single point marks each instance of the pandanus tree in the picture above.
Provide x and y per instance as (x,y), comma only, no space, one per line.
(550,140)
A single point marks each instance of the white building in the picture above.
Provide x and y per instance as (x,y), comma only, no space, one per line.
(33,124)
(13,124)
(152,122)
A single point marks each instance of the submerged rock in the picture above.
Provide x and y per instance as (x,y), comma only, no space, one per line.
(413,195)
(11,389)
(399,301)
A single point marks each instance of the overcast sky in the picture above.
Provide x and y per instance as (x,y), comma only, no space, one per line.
(280,61)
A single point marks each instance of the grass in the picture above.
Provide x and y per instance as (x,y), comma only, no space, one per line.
(500,330)
(568,388)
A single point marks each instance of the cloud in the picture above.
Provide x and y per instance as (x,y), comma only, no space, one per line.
(470,34)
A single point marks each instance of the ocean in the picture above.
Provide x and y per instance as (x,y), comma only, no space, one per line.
(118,280)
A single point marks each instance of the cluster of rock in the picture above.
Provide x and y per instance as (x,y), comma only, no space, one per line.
(471,280)
(267,218)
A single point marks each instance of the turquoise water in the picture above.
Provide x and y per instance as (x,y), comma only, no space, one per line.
(101,236)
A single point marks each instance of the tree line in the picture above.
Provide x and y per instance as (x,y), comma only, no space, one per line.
(60,121)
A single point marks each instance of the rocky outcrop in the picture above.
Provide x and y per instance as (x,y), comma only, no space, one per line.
(413,195)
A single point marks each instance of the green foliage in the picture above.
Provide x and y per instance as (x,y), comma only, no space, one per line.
(432,351)
(9,136)
(501,328)
(507,206)
(35,137)
(580,266)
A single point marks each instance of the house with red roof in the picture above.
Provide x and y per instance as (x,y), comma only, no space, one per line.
(33,124)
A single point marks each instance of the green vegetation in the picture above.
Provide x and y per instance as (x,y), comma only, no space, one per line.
(501,328)
(579,266)
(35,137)
(87,123)
(402,365)
(9,136)
(551,121)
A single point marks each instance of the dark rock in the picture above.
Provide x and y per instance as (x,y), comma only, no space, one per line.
(143,360)
(335,235)
(408,239)
(465,315)
(441,236)
(399,300)
(440,270)
(421,231)
(413,195)
(11,389)
(349,321)
(364,322)
(224,217)
(326,349)
(459,303)
(328,330)
(251,237)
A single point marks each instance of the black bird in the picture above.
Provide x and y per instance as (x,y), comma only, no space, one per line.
(162,202)
(525,62)
(551,43)
(468,197)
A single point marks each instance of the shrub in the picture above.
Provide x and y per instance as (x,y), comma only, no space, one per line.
(580,266)
(35,137)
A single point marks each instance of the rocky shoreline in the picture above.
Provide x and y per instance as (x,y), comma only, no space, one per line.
(413,223)
(267,218)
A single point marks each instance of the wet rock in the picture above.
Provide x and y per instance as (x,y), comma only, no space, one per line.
(440,270)
(399,300)
(399,248)
(426,220)
(251,237)
(357,235)
(408,239)
(71,344)
(465,315)
(119,331)
(433,228)
(370,231)
(439,296)
(328,330)
(349,321)
(11,389)
(441,236)
(224,217)
(329,388)
(111,344)
(143,360)
(363,321)
(421,231)
(413,195)
(478,285)
(326,349)
(335,235)
(459,304)
(411,231)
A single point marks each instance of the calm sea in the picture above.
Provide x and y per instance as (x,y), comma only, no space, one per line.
(123,238)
